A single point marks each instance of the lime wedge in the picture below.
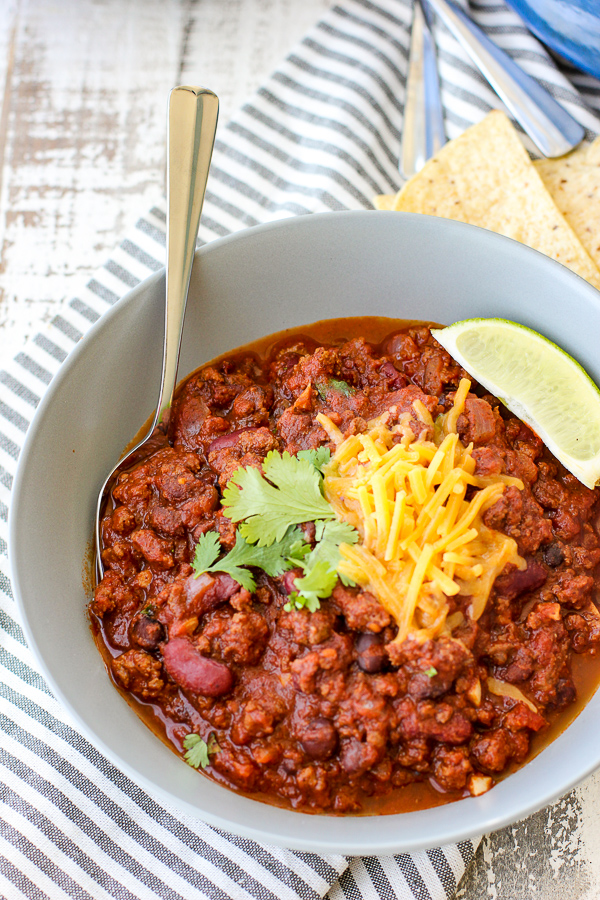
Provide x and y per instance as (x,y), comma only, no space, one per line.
(538,382)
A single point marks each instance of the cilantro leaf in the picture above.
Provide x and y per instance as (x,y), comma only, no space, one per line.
(230,564)
(330,535)
(346,580)
(268,507)
(291,495)
(298,551)
(292,475)
(320,575)
(291,547)
(148,610)
(299,601)
(318,582)
(342,386)
(245,554)
(318,458)
(334,384)
(431,672)
(207,552)
(274,560)
(197,751)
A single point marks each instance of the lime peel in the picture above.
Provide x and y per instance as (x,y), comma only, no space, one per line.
(538,381)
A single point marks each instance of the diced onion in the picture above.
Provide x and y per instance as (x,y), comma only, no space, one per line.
(504,689)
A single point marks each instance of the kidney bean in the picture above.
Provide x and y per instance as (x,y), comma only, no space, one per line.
(402,346)
(319,738)
(395,379)
(356,756)
(146,633)
(195,672)
(309,529)
(228,440)
(289,579)
(519,582)
(209,591)
(372,656)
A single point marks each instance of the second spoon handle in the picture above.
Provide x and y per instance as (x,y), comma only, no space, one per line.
(192,124)
(547,123)
(423,128)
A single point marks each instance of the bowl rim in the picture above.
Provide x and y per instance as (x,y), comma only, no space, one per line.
(485,820)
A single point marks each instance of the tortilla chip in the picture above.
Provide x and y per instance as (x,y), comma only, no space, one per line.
(384,201)
(485,177)
(574,182)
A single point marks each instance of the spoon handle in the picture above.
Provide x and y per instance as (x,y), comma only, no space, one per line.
(423,128)
(192,123)
(548,124)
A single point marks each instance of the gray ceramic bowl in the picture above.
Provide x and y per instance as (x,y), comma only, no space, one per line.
(245,286)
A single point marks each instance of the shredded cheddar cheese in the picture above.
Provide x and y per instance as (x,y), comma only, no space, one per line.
(421,540)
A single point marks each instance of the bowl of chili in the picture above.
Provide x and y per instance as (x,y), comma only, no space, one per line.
(304,713)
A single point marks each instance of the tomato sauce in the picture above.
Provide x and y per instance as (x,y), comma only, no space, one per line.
(320,711)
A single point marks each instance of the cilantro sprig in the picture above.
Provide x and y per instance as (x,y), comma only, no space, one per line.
(320,566)
(274,560)
(288,493)
(269,508)
(198,750)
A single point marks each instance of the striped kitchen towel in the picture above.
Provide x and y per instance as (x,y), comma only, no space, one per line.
(322,134)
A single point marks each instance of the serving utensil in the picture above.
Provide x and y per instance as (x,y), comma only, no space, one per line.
(192,124)
(552,129)
(423,129)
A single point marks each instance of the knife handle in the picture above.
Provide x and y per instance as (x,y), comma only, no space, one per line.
(423,129)
(552,129)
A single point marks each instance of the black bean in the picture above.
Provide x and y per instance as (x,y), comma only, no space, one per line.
(371,653)
(319,738)
(146,633)
(553,556)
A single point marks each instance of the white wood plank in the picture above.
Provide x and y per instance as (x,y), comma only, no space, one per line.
(84,136)
(233,46)
(84,142)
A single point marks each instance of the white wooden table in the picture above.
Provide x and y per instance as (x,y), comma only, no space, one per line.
(82,150)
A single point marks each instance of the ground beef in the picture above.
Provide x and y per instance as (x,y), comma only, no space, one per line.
(308,628)
(477,424)
(249,449)
(140,673)
(361,610)
(325,710)
(432,667)
(451,767)
(239,638)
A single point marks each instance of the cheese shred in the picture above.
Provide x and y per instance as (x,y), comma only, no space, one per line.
(417,506)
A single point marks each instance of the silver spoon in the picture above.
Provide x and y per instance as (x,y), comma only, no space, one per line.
(192,124)
(548,124)
(423,129)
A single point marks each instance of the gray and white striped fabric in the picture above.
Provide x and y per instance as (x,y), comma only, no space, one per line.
(322,134)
